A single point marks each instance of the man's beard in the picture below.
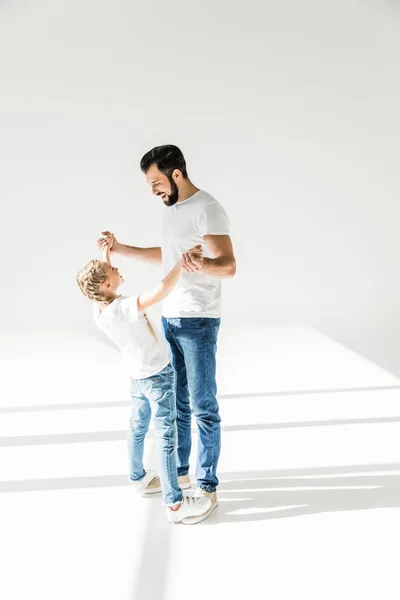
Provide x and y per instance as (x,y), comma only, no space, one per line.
(174,195)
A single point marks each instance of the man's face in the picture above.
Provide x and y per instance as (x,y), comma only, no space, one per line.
(162,186)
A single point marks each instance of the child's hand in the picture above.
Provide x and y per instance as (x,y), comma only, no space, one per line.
(196,251)
(193,260)
(109,240)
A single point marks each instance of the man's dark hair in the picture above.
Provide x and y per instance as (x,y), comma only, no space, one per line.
(167,158)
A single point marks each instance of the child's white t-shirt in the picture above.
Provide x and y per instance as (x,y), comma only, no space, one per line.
(145,353)
(185,225)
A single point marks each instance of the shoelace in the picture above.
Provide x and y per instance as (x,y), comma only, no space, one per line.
(189,500)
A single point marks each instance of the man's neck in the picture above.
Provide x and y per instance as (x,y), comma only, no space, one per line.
(187,190)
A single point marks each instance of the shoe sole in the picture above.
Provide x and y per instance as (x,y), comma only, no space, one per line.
(184,486)
(194,520)
(150,492)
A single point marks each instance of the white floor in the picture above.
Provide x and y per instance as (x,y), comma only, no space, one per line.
(310,477)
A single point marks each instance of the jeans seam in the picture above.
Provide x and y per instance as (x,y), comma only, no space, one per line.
(189,436)
(138,434)
(205,342)
(168,442)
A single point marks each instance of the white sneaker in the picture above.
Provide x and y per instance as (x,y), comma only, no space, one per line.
(200,493)
(184,482)
(154,486)
(140,485)
(191,507)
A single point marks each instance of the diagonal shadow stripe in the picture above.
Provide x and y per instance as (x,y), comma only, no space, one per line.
(120,403)
(310,392)
(112,436)
(69,406)
(63,438)
(228,479)
(299,424)
(64,483)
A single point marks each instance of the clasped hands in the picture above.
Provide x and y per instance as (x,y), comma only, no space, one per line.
(192,260)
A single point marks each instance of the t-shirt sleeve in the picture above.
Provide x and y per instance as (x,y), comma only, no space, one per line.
(213,220)
(128,308)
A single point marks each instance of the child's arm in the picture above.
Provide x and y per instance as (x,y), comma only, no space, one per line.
(106,248)
(164,288)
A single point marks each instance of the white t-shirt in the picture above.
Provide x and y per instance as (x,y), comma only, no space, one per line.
(185,224)
(144,353)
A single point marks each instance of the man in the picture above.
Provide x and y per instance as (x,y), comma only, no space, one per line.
(191,314)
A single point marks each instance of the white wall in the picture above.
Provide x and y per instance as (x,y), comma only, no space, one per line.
(288,112)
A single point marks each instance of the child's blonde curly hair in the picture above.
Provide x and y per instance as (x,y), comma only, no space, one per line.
(90,279)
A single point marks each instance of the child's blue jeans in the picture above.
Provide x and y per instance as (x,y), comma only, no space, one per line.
(156,396)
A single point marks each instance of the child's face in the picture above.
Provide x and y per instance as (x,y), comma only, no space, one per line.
(114,278)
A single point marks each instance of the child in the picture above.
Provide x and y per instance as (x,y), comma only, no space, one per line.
(153,379)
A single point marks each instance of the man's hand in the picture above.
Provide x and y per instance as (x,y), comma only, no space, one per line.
(110,241)
(192,260)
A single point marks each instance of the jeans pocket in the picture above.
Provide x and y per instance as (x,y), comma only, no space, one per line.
(170,373)
(162,383)
(167,373)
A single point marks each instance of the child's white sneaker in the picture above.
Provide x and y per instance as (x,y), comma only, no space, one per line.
(141,485)
(192,507)
(184,482)
(154,486)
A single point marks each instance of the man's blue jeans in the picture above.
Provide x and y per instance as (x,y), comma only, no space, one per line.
(155,395)
(193,345)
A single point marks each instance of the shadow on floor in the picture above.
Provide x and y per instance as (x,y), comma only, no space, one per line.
(266,495)
(121,435)
(248,396)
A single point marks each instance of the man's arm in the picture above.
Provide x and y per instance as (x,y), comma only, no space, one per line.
(152,255)
(223,263)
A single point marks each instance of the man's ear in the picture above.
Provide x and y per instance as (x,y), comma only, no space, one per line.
(176,175)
